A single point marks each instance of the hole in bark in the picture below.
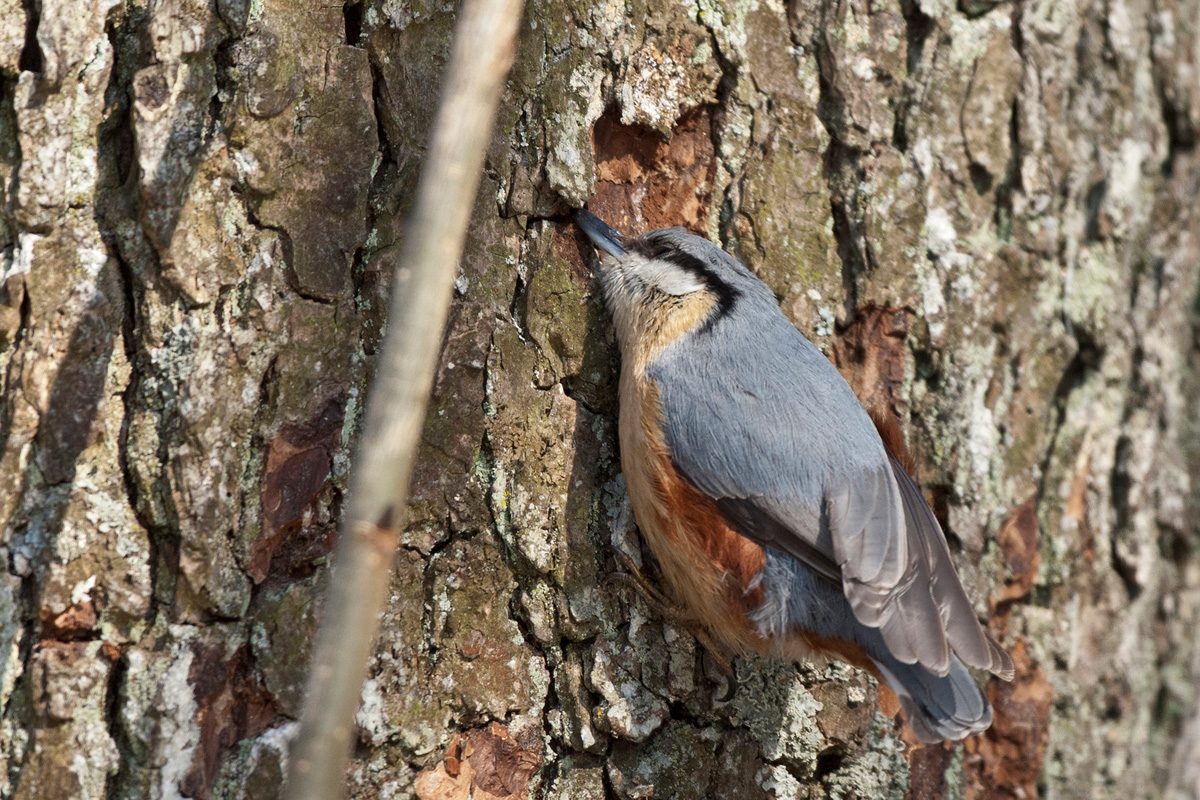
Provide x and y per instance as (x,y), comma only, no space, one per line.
(633,193)
(940,503)
(31,53)
(981,179)
(1121,487)
(1177,547)
(917,27)
(1181,135)
(353,15)
(974,9)
(829,762)
(1011,181)
(1113,710)
(1095,228)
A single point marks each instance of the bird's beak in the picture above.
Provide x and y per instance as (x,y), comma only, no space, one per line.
(600,233)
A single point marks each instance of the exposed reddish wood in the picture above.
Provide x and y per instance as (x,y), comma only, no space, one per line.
(77,621)
(489,763)
(1018,540)
(645,181)
(870,354)
(298,463)
(454,756)
(1011,752)
(232,705)
(927,765)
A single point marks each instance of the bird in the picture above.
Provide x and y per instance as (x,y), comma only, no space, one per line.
(780,519)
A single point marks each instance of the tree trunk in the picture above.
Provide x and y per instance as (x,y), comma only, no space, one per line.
(985,215)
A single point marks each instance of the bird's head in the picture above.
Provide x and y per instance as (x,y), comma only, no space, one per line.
(666,284)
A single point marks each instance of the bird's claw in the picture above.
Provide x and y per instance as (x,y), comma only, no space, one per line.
(676,615)
(725,669)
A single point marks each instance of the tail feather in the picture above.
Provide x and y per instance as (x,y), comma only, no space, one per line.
(938,708)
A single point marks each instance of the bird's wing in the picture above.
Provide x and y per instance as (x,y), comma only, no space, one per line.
(970,640)
(794,463)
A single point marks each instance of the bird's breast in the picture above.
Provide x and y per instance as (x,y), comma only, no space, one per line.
(711,568)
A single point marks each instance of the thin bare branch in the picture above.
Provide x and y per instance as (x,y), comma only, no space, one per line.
(484,42)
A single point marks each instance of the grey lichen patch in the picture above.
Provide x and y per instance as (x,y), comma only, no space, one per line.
(482,647)
(727,21)
(56,130)
(685,761)
(208,462)
(776,708)
(410,709)
(569,116)
(257,772)
(571,721)
(577,782)
(674,69)
(638,670)
(11,634)
(657,88)
(157,713)
(628,709)
(190,360)
(678,763)
(864,57)
(99,560)
(383,776)
(880,770)
(202,253)
(12,35)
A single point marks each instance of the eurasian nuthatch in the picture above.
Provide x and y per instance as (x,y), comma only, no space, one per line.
(778,515)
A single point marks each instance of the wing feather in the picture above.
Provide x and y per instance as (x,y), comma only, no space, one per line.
(970,640)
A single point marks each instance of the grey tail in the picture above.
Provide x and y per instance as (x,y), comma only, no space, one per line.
(600,233)
(938,708)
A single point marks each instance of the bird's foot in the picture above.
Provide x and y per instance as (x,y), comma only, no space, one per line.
(677,615)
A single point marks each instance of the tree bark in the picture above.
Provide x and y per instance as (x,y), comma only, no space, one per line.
(984,214)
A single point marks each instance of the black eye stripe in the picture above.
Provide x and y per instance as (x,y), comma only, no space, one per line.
(727,296)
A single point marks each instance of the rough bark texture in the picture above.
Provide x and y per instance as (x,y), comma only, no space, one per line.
(984,213)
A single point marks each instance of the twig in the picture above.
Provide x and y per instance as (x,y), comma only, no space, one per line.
(484,42)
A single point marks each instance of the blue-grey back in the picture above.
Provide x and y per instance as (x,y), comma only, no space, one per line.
(753,407)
